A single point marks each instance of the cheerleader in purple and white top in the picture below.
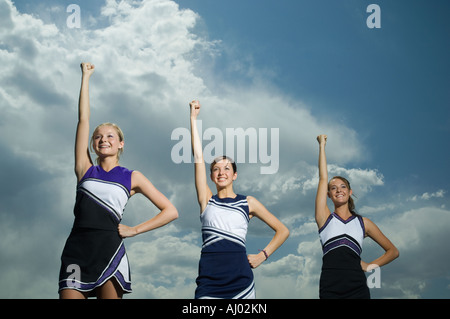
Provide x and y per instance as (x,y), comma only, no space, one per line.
(341,234)
(94,261)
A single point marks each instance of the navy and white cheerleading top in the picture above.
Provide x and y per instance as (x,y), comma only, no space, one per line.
(224,270)
(224,224)
(94,244)
(342,242)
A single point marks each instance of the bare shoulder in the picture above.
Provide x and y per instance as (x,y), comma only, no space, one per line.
(256,208)
(370,227)
(136,175)
(252,202)
(368,222)
(139,181)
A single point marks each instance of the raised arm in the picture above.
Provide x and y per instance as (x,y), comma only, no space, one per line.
(82,158)
(281,231)
(321,210)
(201,185)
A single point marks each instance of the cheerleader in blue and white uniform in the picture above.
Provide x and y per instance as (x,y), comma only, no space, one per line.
(341,234)
(225,269)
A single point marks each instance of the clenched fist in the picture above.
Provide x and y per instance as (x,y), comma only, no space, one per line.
(195,108)
(87,68)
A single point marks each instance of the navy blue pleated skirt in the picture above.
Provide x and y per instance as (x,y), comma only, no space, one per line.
(226,275)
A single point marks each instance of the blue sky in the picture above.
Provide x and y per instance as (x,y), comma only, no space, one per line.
(304,67)
(323,51)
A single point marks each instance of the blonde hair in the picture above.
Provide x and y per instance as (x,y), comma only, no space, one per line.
(119,133)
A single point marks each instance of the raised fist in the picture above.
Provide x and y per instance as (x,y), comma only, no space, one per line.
(195,108)
(322,139)
(87,68)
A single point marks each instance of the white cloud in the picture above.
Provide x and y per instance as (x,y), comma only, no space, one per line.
(367,210)
(420,235)
(361,180)
(149,65)
(164,266)
(285,278)
(426,196)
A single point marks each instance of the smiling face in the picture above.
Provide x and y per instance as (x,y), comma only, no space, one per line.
(107,140)
(339,191)
(222,173)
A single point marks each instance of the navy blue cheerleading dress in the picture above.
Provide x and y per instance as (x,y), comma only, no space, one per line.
(342,276)
(224,270)
(94,251)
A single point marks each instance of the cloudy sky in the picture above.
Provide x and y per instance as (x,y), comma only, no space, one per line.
(284,70)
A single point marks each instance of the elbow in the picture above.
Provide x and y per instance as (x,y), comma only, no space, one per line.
(392,254)
(169,213)
(284,232)
(396,253)
(174,213)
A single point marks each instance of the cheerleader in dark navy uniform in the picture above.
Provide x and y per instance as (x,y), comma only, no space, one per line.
(224,267)
(341,234)
(94,261)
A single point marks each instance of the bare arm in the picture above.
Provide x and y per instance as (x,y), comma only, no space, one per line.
(203,191)
(281,231)
(391,252)
(140,184)
(82,158)
(321,209)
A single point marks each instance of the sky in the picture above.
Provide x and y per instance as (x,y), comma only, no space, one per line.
(282,72)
